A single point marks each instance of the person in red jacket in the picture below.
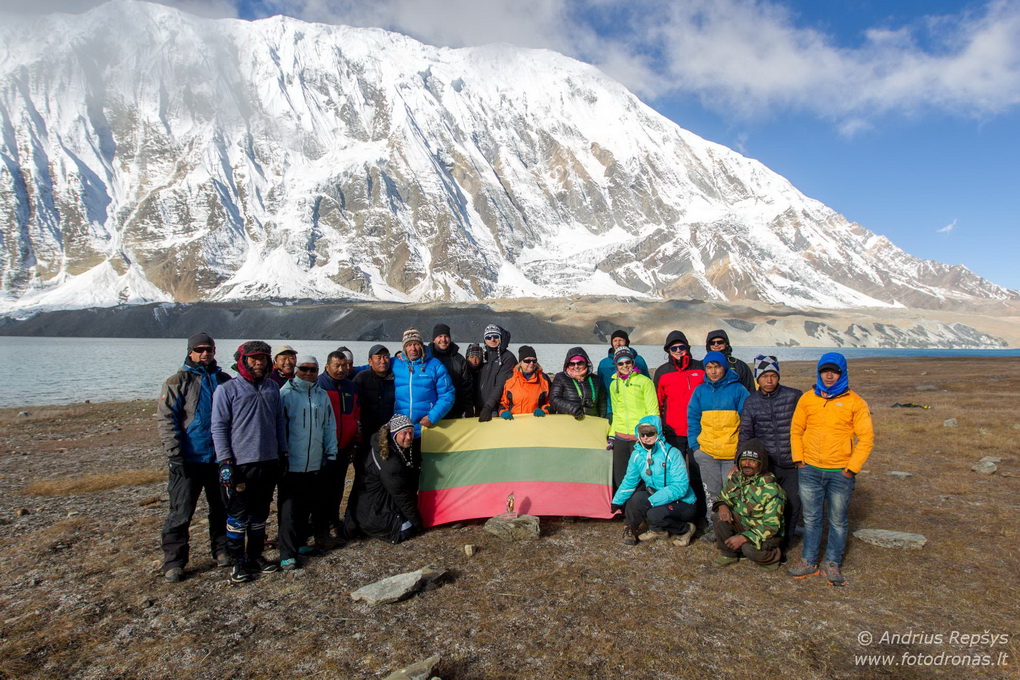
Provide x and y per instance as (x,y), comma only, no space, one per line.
(343,395)
(675,382)
(527,390)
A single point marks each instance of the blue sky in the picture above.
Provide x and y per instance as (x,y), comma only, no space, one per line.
(902,115)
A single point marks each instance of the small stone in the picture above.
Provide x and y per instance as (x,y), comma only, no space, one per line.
(73,513)
(400,587)
(34,582)
(985,468)
(22,414)
(984,431)
(421,670)
(925,388)
(469,550)
(1016,426)
(21,512)
(884,538)
(520,528)
(900,475)
(147,602)
(990,459)
(949,422)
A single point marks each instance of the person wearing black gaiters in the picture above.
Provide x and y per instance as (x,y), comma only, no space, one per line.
(497,369)
(719,341)
(461,375)
(184,414)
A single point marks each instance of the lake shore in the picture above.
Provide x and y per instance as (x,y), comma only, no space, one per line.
(83,498)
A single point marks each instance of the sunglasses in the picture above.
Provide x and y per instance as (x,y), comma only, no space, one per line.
(577,363)
(308,369)
(492,337)
(529,361)
(717,342)
(678,348)
(625,362)
(203,349)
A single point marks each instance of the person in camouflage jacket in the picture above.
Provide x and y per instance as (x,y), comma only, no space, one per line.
(748,514)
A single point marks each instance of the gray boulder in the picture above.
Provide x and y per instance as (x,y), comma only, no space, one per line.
(884,538)
(416,671)
(520,528)
(400,587)
(985,468)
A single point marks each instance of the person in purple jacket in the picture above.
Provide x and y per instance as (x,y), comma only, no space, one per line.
(249,436)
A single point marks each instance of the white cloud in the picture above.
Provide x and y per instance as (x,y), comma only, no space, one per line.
(214,9)
(946,229)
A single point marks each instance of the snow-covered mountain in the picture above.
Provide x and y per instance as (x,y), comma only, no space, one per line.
(149,155)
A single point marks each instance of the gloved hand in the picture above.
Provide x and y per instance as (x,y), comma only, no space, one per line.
(610,442)
(538,413)
(227,475)
(615,508)
(506,415)
(485,415)
(578,412)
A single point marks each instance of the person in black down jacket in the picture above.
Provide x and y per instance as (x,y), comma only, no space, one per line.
(497,369)
(767,415)
(461,375)
(719,341)
(577,391)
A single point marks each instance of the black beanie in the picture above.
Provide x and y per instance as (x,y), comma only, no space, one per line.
(200,340)
(618,333)
(440,329)
(526,352)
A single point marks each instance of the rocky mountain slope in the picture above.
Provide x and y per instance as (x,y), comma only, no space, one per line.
(152,156)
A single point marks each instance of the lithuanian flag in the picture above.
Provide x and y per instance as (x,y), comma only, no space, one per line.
(553,465)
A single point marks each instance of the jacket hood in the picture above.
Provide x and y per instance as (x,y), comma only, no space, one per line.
(758,447)
(673,338)
(577,351)
(718,334)
(654,421)
(842,385)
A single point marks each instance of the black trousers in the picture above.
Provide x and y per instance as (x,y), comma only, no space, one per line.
(621,456)
(672,517)
(693,474)
(789,479)
(185,484)
(301,504)
(248,508)
(331,486)
(767,554)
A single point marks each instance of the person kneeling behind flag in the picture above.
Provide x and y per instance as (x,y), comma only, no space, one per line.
(748,514)
(655,489)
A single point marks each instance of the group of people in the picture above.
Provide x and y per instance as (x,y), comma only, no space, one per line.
(712,439)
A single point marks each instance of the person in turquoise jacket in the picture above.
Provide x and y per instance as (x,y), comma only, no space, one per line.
(311,440)
(422,388)
(655,489)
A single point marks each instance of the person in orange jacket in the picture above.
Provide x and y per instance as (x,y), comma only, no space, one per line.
(527,389)
(831,436)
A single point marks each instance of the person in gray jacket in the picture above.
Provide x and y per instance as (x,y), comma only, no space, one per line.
(184,414)
(250,438)
(311,441)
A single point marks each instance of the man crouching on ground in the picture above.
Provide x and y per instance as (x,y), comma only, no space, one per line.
(748,515)
(251,442)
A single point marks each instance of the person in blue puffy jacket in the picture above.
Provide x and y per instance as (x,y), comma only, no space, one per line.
(422,388)
(655,489)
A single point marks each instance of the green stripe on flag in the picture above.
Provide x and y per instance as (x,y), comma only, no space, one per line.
(533,464)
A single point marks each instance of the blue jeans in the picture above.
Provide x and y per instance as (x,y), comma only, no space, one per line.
(818,487)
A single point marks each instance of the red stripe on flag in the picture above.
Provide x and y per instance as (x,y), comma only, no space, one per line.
(566,499)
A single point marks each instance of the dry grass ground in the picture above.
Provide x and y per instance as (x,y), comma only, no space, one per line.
(81,594)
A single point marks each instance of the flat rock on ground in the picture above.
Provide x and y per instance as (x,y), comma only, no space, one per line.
(399,587)
(900,475)
(885,538)
(416,671)
(520,528)
(985,468)
(949,422)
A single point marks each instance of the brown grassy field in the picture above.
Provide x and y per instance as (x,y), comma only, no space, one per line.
(81,593)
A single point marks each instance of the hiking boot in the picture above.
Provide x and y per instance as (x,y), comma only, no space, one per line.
(308,551)
(802,569)
(628,536)
(289,564)
(174,575)
(224,560)
(833,575)
(653,535)
(723,561)
(709,535)
(774,566)
(684,539)
(240,574)
(265,566)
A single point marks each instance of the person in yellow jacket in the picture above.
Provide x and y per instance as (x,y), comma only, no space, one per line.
(831,437)
(633,397)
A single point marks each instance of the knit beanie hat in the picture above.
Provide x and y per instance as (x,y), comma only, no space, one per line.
(377,349)
(755,450)
(763,363)
(715,357)
(411,335)
(346,352)
(475,349)
(620,333)
(440,329)
(493,329)
(622,353)
(526,352)
(303,359)
(399,422)
(200,340)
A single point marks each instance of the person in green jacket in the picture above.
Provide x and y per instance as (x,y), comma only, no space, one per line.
(748,514)
(633,397)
